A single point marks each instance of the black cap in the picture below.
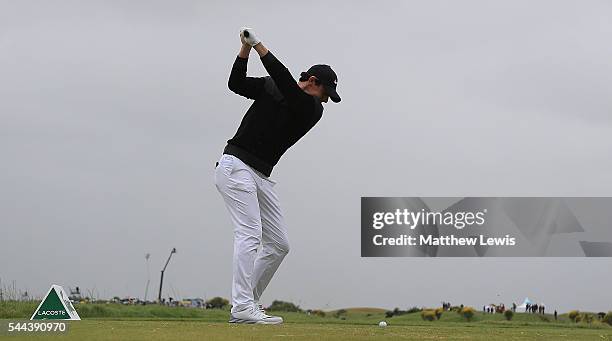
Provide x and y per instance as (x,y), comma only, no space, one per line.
(328,78)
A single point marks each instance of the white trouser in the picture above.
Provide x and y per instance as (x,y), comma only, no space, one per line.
(255,212)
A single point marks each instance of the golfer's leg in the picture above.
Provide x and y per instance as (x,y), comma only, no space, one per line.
(274,239)
(240,195)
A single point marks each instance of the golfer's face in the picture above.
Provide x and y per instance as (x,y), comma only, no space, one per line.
(320,92)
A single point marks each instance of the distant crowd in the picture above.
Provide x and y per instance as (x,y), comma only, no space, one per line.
(496,308)
(535,308)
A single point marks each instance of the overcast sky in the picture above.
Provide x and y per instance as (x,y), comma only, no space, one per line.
(113,113)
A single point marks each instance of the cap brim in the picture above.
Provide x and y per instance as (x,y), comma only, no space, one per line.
(332,93)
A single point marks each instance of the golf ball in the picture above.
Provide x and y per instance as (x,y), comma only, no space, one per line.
(382,324)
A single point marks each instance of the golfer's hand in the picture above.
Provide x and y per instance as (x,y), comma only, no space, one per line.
(247,36)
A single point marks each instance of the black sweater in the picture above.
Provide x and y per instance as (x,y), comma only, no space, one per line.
(280,115)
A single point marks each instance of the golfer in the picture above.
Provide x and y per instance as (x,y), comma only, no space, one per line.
(283,111)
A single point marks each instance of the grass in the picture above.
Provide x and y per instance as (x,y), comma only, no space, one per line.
(96,329)
(113,322)
(18,309)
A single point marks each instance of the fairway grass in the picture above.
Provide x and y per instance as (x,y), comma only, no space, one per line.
(151,322)
(98,329)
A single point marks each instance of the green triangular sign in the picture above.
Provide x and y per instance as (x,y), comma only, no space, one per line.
(55,306)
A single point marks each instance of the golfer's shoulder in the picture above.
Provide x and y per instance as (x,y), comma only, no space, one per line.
(271,89)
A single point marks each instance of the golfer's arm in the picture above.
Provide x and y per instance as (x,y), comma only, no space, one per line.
(249,87)
(261,50)
(244,51)
(281,75)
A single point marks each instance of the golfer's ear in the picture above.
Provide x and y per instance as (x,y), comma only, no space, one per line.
(312,79)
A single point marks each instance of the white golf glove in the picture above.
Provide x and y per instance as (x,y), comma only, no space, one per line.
(247,36)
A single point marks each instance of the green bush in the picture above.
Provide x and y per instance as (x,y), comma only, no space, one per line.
(508,314)
(467,313)
(574,315)
(284,306)
(587,318)
(399,312)
(340,313)
(607,318)
(428,315)
(217,303)
(320,313)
